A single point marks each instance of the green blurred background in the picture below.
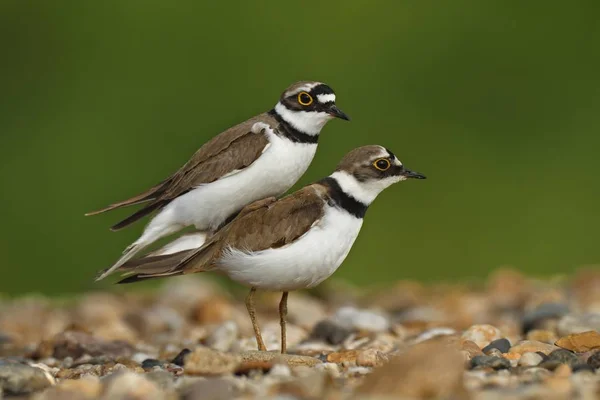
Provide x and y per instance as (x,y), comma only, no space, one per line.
(497,102)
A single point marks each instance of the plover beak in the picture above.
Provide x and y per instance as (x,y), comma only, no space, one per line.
(336,112)
(412,174)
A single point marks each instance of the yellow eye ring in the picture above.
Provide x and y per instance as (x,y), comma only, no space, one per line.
(305,99)
(382,164)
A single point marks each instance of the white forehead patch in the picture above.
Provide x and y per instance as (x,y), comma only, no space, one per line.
(385,154)
(326,98)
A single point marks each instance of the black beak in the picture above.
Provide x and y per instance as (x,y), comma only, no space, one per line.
(412,174)
(336,112)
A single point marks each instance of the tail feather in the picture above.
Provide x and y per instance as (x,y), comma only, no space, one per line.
(137,215)
(149,195)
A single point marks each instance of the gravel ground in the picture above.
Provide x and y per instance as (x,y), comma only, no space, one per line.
(509,338)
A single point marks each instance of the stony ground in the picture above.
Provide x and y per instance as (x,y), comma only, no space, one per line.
(510,338)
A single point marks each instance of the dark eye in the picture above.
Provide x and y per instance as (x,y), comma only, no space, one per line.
(305,99)
(382,164)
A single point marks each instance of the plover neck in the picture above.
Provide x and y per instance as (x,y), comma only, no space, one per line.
(308,123)
(341,194)
(363,191)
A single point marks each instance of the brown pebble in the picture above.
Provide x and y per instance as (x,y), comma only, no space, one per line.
(532,346)
(471,348)
(542,335)
(370,358)
(580,342)
(348,356)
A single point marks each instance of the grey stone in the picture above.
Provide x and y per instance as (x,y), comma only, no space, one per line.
(330,332)
(594,360)
(17,378)
(365,320)
(534,319)
(503,345)
(490,361)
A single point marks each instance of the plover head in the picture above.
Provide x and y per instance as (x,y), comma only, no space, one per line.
(307,106)
(366,171)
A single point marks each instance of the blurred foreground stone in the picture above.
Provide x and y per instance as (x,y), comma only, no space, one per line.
(510,338)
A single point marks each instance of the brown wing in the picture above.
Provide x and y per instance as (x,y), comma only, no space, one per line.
(261,225)
(232,150)
(271,226)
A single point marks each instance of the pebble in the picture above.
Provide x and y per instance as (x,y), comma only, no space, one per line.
(580,342)
(348,356)
(209,389)
(223,337)
(151,363)
(205,361)
(503,345)
(482,335)
(490,361)
(17,378)
(533,346)
(180,358)
(594,360)
(534,319)
(127,385)
(427,370)
(562,356)
(541,335)
(362,320)
(330,332)
(276,357)
(371,358)
(471,348)
(530,359)
(75,344)
(577,323)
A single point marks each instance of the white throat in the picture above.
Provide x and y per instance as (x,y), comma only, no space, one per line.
(309,122)
(365,192)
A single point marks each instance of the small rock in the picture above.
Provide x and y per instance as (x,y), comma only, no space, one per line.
(370,358)
(88,387)
(482,335)
(434,333)
(471,348)
(338,357)
(209,389)
(128,385)
(580,342)
(163,379)
(508,288)
(362,320)
(275,357)
(563,356)
(535,319)
(151,363)
(426,370)
(204,361)
(75,344)
(530,359)
(503,345)
(18,378)
(222,338)
(583,368)
(577,323)
(490,361)
(541,335)
(594,360)
(215,310)
(532,346)
(180,358)
(330,332)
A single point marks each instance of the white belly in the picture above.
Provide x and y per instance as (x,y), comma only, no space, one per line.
(272,174)
(303,264)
